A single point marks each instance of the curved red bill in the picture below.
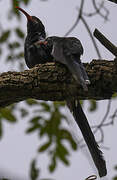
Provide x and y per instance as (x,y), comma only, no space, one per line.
(25,13)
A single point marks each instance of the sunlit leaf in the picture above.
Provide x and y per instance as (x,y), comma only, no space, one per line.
(4,37)
(8,115)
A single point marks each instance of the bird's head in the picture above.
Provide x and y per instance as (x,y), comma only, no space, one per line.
(34,24)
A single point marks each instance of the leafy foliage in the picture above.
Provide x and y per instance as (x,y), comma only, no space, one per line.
(19,33)
(34,171)
(51,128)
(8,115)
(4,37)
(93,105)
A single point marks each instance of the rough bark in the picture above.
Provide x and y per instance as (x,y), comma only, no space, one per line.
(53,82)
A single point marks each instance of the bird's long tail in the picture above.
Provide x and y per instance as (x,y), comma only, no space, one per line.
(93,147)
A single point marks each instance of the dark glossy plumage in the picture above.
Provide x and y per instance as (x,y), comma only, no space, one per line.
(68,51)
(35,53)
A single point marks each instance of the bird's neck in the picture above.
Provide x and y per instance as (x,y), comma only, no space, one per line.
(36,36)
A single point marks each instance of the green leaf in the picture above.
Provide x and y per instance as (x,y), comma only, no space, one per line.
(14,10)
(24,112)
(33,128)
(59,104)
(10,57)
(44,147)
(26,2)
(115,178)
(93,105)
(0,51)
(52,166)
(46,106)
(13,45)
(64,134)
(8,115)
(19,55)
(62,152)
(31,102)
(19,33)
(35,120)
(4,37)
(34,171)
(114,95)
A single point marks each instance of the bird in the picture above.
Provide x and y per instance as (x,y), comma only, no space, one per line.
(68,50)
(34,52)
(39,49)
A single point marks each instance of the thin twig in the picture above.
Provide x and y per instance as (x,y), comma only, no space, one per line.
(104,118)
(77,19)
(101,6)
(98,10)
(91,36)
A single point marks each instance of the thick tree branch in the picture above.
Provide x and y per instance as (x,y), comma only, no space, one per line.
(115,1)
(54,82)
(105,42)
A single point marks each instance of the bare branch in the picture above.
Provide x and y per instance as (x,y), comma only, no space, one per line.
(104,118)
(105,42)
(114,1)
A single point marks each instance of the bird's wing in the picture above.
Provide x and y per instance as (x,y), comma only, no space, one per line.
(73,45)
(61,54)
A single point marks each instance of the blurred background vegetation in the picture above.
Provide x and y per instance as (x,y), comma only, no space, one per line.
(45,118)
